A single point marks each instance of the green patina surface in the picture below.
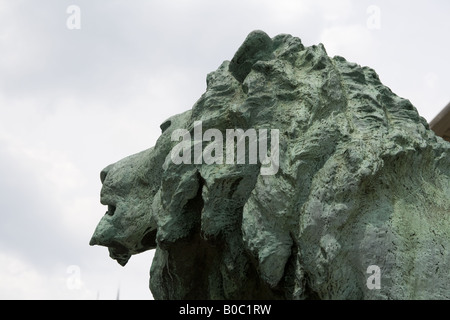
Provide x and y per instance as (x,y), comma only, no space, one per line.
(362,181)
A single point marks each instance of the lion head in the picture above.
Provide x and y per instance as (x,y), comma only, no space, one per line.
(342,196)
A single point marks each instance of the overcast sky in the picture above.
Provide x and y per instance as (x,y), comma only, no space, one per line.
(73,101)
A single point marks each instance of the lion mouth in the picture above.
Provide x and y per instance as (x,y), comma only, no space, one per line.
(111,210)
(104,235)
(117,251)
(108,235)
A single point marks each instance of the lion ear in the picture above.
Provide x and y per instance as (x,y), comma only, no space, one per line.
(104,172)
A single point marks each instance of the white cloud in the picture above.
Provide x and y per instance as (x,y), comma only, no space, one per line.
(431,80)
(24,49)
(21,281)
(350,41)
(287,11)
(335,10)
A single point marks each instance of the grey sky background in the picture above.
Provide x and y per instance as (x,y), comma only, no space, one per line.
(74,101)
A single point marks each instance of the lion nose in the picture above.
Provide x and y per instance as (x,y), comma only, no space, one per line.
(104,233)
(93,241)
(104,172)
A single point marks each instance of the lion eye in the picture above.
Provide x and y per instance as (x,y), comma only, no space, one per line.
(165,125)
(111,210)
